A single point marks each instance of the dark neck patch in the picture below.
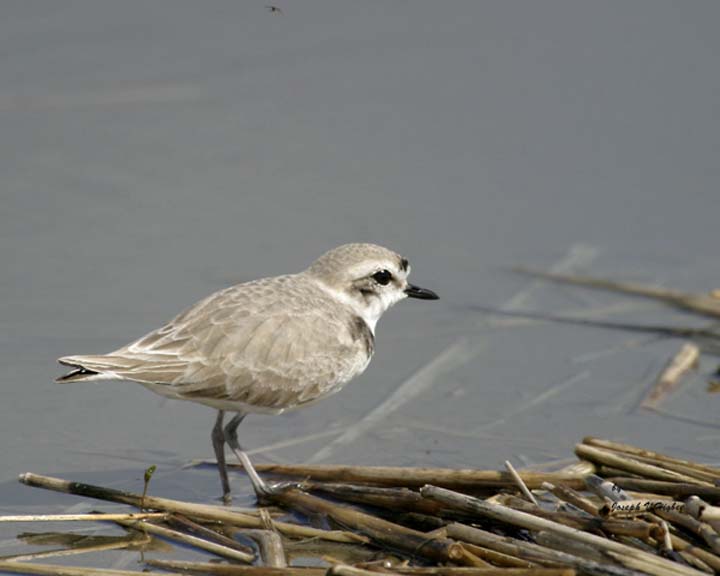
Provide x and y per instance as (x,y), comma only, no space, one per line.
(361,331)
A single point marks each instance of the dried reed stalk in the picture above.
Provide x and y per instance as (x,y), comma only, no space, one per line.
(704,471)
(387,498)
(82,517)
(270,545)
(498,558)
(622,462)
(181,522)
(203,511)
(700,529)
(651,564)
(381,531)
(703,511)
(467,479)
(533,552)
(572,497)
(676,490)
(632,528)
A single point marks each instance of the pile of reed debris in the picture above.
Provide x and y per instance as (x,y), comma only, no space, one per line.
(618,511)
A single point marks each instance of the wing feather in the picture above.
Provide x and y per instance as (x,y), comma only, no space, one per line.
(269,344)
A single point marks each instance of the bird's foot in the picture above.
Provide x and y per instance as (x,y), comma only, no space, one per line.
(266,491)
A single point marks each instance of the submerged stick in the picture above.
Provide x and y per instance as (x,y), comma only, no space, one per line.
(74,551)
(234,569)
(201,543)
(347,570)
(60,570)
(457,571)
(702,304)
(669,379)
(416,477)
(708,338)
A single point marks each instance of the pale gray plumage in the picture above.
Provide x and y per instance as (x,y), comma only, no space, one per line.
(269,345)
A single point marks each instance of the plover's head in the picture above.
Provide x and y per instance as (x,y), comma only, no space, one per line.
(367,277)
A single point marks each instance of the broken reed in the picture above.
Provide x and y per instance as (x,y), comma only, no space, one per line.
(656,515)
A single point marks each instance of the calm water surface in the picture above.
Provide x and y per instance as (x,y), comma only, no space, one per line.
(153,153)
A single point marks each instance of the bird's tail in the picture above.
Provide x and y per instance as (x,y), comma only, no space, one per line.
(99,367)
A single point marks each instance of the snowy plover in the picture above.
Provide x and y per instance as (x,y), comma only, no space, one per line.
(267,346)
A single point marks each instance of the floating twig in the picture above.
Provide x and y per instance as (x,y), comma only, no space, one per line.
(669,379)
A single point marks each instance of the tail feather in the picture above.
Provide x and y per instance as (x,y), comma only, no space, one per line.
(115,366)
(77,375)
(99,367)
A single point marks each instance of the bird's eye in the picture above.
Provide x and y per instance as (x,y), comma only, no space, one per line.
(382,277)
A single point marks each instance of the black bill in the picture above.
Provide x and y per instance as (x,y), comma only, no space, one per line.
(421,293)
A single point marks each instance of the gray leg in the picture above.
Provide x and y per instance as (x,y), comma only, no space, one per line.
(231,430)
(218,442)
(261,489)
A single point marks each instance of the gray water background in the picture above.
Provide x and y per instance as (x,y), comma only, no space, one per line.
(153,152)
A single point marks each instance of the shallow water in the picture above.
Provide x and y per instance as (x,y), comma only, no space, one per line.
(153,153)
